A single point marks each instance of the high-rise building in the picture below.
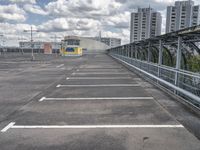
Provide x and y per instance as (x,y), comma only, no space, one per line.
(112,42)
(145,23)
(184,14)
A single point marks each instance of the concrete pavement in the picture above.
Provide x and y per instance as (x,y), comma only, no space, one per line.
(92,117)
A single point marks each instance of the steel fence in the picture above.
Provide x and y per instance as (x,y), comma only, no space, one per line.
(183,83)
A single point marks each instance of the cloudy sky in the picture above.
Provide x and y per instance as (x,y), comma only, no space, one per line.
(71,17)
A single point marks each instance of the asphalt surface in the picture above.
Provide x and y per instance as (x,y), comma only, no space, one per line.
(99,105)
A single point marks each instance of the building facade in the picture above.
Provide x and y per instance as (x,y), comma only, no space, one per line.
(38,45)
(183,15)
(111,42)
(86,43)
(144,24)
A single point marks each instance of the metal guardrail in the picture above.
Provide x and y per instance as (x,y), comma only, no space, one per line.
(184,84)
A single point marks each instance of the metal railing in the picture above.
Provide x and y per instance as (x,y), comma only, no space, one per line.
(183,83)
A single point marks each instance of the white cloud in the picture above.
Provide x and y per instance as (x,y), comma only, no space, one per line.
(23,1)
(78,17)
(118,21)
(12,12)
(35,9)
(82,8)
(66,24)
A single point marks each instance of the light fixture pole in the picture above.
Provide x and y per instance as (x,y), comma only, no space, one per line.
(1,45)
(31,31)
(55,37)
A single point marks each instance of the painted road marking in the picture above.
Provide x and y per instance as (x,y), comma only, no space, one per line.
(8,127)
(86,73)
(59,66)
(13,126)
(94,98)
(100,85)
(97,78)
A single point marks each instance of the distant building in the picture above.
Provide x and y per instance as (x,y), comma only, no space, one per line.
(184,14)
(145,23)
(39,45)
(111,42)
(86,43)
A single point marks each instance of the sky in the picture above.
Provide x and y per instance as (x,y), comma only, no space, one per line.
(71,17)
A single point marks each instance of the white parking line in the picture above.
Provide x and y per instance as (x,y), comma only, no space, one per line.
(59,66)
(94,98)
(100,85)
(7,127)
(102,73)
(97,78)
(13,126)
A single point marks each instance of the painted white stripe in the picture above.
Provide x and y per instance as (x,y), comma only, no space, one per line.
(59,66)
(93,126)
(97,78)
(10,125)
(100,85)
(95,98)
(13,126)
(94,73)
(41,99)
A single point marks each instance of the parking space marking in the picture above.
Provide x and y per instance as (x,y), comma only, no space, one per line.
(97,78)
(13,126)
(59,66)
(96,73)
(100,85)
(94,98)
(8,127)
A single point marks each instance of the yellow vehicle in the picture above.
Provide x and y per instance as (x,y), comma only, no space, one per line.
(71,46)
(71,51)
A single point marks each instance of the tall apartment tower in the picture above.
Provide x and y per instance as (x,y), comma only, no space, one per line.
(145,23)
(184,14)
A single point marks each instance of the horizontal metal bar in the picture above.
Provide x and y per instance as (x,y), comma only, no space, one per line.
(184,92)
(166,68)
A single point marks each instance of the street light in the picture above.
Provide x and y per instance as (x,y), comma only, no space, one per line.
(1,45)
(31,31)
(55,37)
(21,45)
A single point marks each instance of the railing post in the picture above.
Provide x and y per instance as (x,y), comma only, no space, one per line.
(131,47)
(128,51)
(127,48)
(149,55)
(160,57)
(178,59)
(135,52)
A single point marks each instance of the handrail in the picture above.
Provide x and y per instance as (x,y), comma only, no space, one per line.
(188,93)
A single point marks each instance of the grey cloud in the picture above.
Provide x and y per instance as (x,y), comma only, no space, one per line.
(121,1)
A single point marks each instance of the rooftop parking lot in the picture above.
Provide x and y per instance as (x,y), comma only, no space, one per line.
(89,102)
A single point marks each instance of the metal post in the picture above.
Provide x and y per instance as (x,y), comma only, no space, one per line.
(128,48)
(131,50)
(135,52)
(126,51)
(32,55)
(160,57)
(149,55)
(31,31)
(178,59)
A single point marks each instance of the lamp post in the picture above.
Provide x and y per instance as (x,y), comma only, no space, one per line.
(31,31)
(22,39)
(1,45)
(55,37)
